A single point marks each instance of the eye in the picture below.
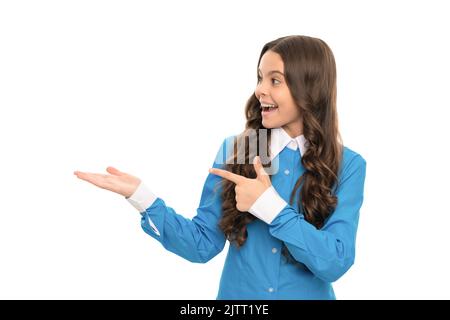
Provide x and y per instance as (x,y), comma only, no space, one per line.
(276,80)
(273,79)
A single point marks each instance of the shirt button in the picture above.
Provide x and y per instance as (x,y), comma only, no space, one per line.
(286,172)
(274,250)
(270,289)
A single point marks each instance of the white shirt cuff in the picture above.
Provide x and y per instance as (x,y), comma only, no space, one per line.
(268,205)
(142,198)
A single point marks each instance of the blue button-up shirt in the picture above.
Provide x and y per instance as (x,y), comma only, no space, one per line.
(258,270)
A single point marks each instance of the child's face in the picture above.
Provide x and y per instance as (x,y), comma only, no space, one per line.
(272,89)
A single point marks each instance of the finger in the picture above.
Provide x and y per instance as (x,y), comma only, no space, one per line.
(227,175)
(261,174)
(100,180)
(115,171)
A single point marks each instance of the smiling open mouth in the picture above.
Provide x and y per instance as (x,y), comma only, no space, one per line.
(268,108)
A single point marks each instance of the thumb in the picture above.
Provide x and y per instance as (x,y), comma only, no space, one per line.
(114,171)
(261,174)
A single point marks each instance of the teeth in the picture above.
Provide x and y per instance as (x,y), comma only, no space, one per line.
(267,105)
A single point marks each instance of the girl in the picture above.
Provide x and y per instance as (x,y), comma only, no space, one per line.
(292,232)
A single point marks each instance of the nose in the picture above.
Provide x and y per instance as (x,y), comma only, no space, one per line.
(261,90)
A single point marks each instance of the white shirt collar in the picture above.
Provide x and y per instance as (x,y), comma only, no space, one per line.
(281,139)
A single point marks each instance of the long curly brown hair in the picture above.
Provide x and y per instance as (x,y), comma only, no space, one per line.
(310,73)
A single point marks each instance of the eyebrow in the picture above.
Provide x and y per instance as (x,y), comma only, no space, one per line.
(273,71)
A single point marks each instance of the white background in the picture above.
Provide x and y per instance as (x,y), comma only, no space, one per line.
(153,88)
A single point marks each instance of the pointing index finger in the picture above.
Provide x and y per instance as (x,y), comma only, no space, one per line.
(227,175)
